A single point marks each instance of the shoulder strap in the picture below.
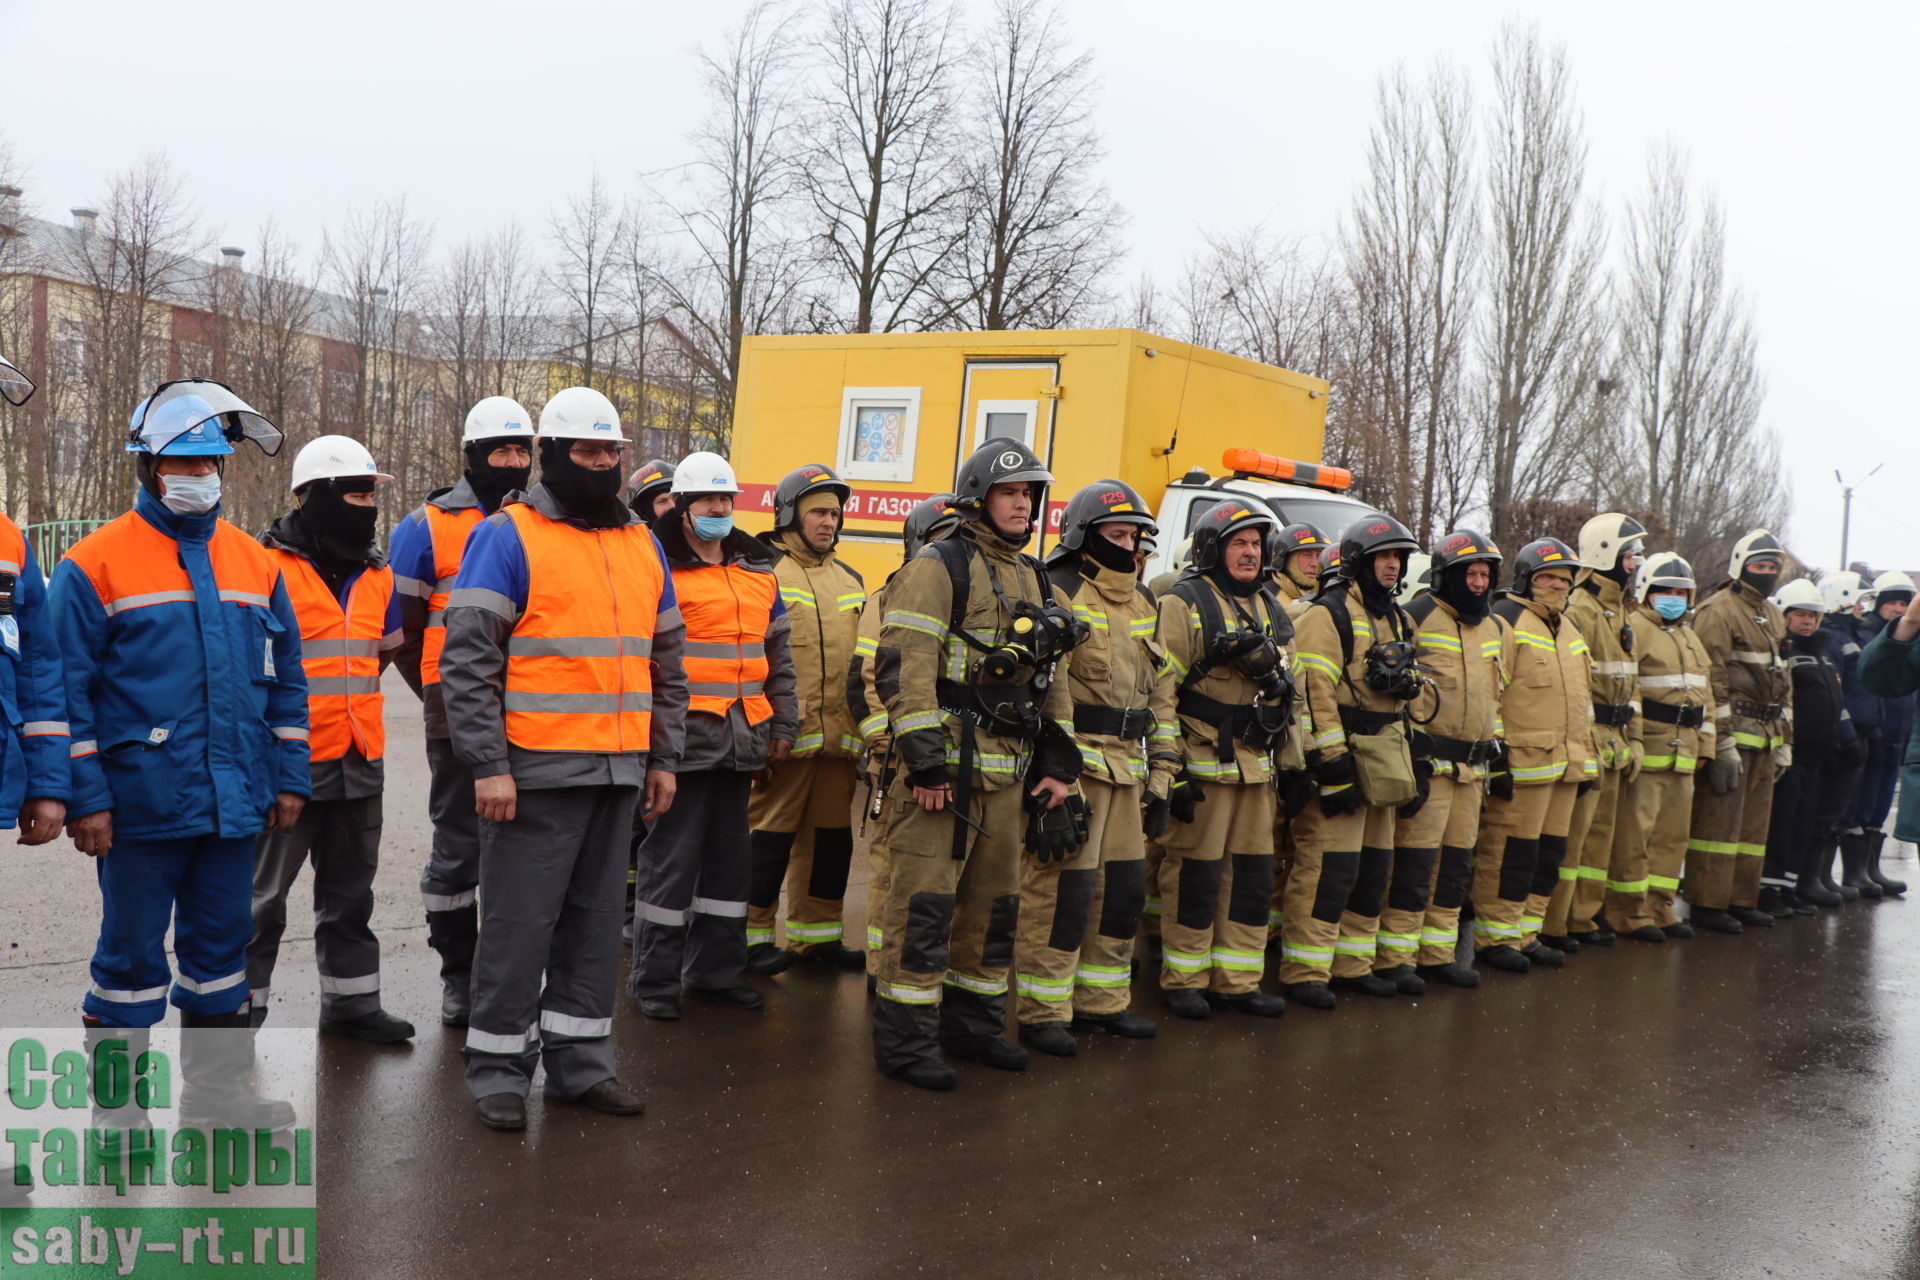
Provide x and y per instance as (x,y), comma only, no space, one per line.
(1063,579)
(1213,620)
(1334,600)
(1420,609)
(955,553)
(851,572)
(1508,610)
(1041,577)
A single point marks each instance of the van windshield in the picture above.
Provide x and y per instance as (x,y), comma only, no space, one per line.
(1330,515)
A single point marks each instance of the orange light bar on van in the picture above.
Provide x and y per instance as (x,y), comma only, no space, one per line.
(1270,466)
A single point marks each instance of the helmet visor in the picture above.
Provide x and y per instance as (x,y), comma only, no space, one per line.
(16,388)
(169,414)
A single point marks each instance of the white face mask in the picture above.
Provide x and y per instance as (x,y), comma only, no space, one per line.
(190,495)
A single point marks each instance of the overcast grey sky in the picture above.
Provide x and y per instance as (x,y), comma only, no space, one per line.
(1216,114)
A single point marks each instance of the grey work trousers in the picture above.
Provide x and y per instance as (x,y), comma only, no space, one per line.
(690,897)
(342,840)
(453,866)
(547,968)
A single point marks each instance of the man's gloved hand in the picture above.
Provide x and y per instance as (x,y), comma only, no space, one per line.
(1725,770)
(1054,835)
(1783,757)
(1296,789)
(1586,785)
(1153,816)
(1339,785)
(1500,772)
(1852,755)
(1637,756)
(1184,797)
(1423,782)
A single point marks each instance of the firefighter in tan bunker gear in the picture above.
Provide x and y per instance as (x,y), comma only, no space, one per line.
(1073,964)
(984,735)
(800,810)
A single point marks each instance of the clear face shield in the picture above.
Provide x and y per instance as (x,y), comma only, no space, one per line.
(16,388)
(176,408)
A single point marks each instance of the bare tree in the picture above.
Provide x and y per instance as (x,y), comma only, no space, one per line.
(881,170)
(516,320)
(144,250)
(741,272)
(588,238)
(1039,232)
(1409,249)
(1707,469)
(23,434)
(1540,331)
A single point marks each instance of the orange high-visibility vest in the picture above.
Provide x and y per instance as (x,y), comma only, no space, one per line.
(448,530)
(340,649)
(728,611)
(579,670)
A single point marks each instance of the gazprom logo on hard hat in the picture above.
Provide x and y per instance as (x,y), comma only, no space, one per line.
(719,481)
(603,426)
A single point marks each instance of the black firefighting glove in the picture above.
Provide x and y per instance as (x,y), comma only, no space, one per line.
(1423,782)
(1338,784)
(1586,785)
(1054,835)
(1296,789)
(1184,796)
(1154,814)
(1500,773)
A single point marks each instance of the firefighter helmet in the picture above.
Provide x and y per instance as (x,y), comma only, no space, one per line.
(1801,593)
(928,522)
(1220,522)
(1542,553)
(1607,537)
(797,484)
(999,461)
(1663,569)
(1755,545)
(1370,535)
(1102,502)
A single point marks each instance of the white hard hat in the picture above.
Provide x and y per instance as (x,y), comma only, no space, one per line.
(1892,580)
(1756,544)
(334,458)
(1663,569)
(1609,535)
(704,472)
(497,416)
(1801,593)
(580,413)
(1842,590)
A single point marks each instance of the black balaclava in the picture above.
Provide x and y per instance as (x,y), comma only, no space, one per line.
(592,497)
(1764,583)
(333,527)
(1378,599)
(1454,590)
(1618,572)
(1108,555)
(488,482)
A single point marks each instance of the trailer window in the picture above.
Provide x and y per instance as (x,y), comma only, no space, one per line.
(879,427)
(1005,420)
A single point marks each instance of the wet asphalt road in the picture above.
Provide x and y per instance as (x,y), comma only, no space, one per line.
(1726,1107)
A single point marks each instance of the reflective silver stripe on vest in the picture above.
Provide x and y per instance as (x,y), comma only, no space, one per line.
(341,686)
(576,703)
(480,598)
(147,598)
(1688,680)
(289,733)
(1754,657)
(44,728)
(84,747)
(580,646)
(705,649)
(9,566)
(340,647)
(244,597)
(1616,668)
(212,985)
(445,584)
(707,689)
(406,586)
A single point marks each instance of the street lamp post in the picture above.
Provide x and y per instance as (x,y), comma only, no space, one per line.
(1846,506)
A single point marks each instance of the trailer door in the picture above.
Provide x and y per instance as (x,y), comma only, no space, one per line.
(1009,399)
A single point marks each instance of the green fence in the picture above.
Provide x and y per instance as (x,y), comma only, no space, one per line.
(53,539)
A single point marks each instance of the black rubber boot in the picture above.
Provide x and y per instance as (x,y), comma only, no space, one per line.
(1128,1026)
(1546,957)
(1679,930)
(1825,867)
(1716,921)
(1795,904)
(1771,904)
(1561,942)
(1853,865)
(1405,981)
(1185,1002)
(927,1073)
(1505,959)
(1598,936)
(1452,974)
(1873,840)
(1371,984)
(1810,887)
(837,955)
(1257,1003)
(1050,1038)
(1751,917)
(1314,995)
(1646,933)
(454,934)
(988,1051)
(216,1055)
(378,1027)
(764,959)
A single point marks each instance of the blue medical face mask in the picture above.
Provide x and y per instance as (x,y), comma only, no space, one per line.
(190,495)
(712,528)
(1670,607)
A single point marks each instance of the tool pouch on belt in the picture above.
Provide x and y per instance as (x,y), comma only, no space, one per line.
(1382,757)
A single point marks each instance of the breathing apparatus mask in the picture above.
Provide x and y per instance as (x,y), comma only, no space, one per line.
(1038,638)
(1392,668)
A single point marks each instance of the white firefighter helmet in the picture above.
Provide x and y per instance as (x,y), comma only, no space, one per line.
(1892,581)
(1756,544)
(580,413)
(1664,569)
(704,472)
(497,416)
(334,458)
(1842,590)
(1606,537)
(1801,593)
(1417,578)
